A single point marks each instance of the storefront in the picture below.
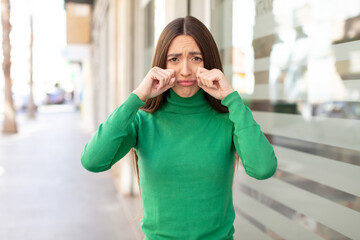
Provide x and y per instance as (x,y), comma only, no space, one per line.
(297,66)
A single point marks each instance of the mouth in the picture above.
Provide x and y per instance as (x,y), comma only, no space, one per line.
(186,83)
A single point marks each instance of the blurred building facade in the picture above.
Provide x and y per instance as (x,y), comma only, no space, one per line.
(296,65)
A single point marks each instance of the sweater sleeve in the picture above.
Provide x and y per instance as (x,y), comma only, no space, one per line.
(114,137)
(255,151)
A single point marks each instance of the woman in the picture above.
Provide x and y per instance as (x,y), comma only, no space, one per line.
(186,134)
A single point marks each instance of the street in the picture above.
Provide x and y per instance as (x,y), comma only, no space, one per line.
(46,194)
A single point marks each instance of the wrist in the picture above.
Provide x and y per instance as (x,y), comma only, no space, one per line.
(228,93)
(140,95)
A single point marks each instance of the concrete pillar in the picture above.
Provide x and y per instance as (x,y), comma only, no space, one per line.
(124,37)
(175,9)
(201,9)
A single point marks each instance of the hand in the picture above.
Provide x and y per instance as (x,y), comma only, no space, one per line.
(214,82)
(156,81)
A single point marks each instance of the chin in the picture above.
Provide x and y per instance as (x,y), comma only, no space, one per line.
(186,91)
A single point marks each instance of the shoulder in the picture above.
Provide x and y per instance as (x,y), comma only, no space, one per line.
(144,116)
(141,114)
(221,118)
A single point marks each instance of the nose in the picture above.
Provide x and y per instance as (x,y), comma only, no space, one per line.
(185,69)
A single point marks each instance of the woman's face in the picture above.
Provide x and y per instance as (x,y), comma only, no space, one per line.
(184,57)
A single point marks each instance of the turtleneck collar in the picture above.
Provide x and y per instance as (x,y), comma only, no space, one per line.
(194,104)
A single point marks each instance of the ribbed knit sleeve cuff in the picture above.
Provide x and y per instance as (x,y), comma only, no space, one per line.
(126,112)
(232,99)
(133,101)
(239,113)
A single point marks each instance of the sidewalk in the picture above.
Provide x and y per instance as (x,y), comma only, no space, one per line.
(46,194)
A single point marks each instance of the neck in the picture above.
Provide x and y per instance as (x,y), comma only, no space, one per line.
(185,92)
(186,105)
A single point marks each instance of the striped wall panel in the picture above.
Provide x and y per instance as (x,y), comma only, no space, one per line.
(339,175)
(343,133)
(341,52)
(311,117)
(344,91)
(248,229)
(315,209)
(272,219)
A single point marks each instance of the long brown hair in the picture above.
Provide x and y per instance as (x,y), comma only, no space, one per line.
(189,26)
(192,27)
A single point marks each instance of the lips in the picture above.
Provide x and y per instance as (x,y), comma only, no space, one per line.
(186,83)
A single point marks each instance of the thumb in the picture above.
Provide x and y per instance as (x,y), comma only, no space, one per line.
(172,81)
(171,71)
(201,70)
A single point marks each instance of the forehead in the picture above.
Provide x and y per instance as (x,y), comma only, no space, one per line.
(183,43)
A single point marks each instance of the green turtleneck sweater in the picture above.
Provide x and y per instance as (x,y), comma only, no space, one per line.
(186,156)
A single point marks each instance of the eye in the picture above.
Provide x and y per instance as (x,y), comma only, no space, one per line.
(197,59)
(174,59)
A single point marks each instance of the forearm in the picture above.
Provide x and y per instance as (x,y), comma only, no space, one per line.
(257,154)
(114,137)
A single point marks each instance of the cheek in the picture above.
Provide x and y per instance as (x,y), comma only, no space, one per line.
(194,66)
(172,66)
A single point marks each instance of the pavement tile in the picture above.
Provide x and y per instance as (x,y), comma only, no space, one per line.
(46,194)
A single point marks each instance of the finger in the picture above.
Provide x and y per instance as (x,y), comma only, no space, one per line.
(198,73)
(155,83)
(167,75)
(204,87)
(167,86)
(209,79)
(208,90)
(168,81)
(210,83)
(200,77)
(219,78)
(215,76)
(162,83)
(216,84)
(172,77)
(171,72)
(201,70)
(206,79)
(158,81)
(163,74)
(203,81)
(204,74)
(172,82)
(154,78)
(198,81)
(167,72)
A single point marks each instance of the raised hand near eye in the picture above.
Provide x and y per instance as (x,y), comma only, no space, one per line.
(156,81)
(214,82)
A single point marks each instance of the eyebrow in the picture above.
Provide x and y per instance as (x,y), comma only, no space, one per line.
(179,54)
